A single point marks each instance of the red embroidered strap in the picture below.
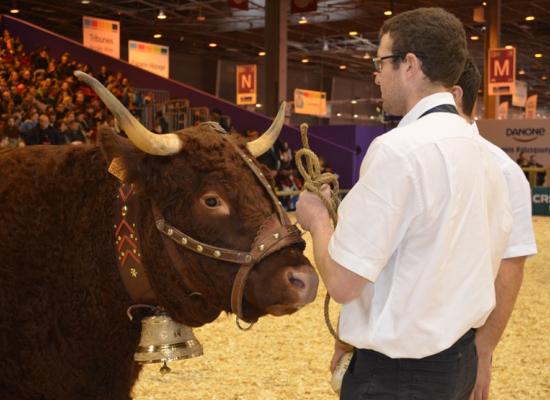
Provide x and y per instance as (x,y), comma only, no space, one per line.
(128,247)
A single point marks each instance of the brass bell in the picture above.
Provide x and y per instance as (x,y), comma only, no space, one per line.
(163,340)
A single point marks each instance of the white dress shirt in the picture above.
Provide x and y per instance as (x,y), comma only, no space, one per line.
(427,223)
(522,237)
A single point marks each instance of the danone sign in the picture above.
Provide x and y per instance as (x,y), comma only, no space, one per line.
(530,136)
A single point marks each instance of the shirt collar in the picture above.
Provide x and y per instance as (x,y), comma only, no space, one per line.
(475,128)
(424,105)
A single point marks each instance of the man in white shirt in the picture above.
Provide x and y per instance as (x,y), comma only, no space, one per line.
(421,234)
(521,243)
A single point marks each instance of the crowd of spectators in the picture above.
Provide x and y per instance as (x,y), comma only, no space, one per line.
(43,103)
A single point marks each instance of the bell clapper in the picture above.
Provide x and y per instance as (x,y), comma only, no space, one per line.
(165,369)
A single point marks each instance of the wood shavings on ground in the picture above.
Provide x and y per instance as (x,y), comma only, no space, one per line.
(288,357)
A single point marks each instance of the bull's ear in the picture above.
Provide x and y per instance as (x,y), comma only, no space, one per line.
(122,157)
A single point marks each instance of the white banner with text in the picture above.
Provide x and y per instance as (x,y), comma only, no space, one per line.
(514,136)
(151,57)
(101,35)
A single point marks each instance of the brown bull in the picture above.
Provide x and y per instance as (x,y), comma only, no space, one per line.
(64,330)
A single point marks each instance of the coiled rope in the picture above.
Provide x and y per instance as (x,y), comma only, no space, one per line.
(313,180)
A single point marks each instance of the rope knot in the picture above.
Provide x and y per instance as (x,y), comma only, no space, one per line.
(309,166)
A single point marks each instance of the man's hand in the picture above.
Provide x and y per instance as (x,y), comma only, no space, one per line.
(310,209)
(340,348)
(483,378)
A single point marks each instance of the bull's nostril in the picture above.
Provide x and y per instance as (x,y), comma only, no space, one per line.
(296,282)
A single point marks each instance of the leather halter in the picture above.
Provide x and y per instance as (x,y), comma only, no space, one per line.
(275,233)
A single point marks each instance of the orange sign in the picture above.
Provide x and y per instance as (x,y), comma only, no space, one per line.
(310,102)
(502,71)
(246,84)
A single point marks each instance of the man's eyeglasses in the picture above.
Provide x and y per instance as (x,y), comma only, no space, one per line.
(378,61)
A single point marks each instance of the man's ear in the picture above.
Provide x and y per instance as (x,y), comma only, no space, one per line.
(457,93)
(412,64)
(123,158)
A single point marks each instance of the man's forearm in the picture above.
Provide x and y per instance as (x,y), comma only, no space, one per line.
(507,285)
(342,284)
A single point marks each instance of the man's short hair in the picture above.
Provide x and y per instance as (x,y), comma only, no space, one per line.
(435,36)
(469,81)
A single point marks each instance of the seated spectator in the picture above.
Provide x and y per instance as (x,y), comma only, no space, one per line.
(30,122)
(11,132)
(103,74)
(43,133)
(74,133)
(160,125)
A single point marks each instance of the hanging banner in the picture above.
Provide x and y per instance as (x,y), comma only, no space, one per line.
(515,136)
(503,110)
(310,102)
(101,35)
(151,57)
(246,84)
(520,94)
(502,71)
(531,106)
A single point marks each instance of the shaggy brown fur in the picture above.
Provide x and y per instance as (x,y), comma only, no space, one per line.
(64,333)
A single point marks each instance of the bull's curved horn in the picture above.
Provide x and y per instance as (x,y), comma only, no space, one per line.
(141,137)
(259,146)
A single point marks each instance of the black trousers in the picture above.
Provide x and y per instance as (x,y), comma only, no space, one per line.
(448,375)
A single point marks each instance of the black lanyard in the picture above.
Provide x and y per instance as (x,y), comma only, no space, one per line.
(449,108)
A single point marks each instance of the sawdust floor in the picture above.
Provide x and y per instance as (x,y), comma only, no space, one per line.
(288,357)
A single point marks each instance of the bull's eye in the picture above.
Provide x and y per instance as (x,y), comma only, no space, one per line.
(212,202)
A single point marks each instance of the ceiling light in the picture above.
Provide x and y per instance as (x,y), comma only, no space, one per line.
(201,18)
(354,102)
(521,72)
(484,3)
(353,33)
(212,44)
(474,37)
(338,114)
(366,56)
(262,53)
(530,18)
(343,66)
(355,115)
(388,13)
(157,35)
(14,10)
(508,46)
(302,20)
(85,1)
(305,60)
(258,105)
(538,55)
(544,77)
(161,15)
